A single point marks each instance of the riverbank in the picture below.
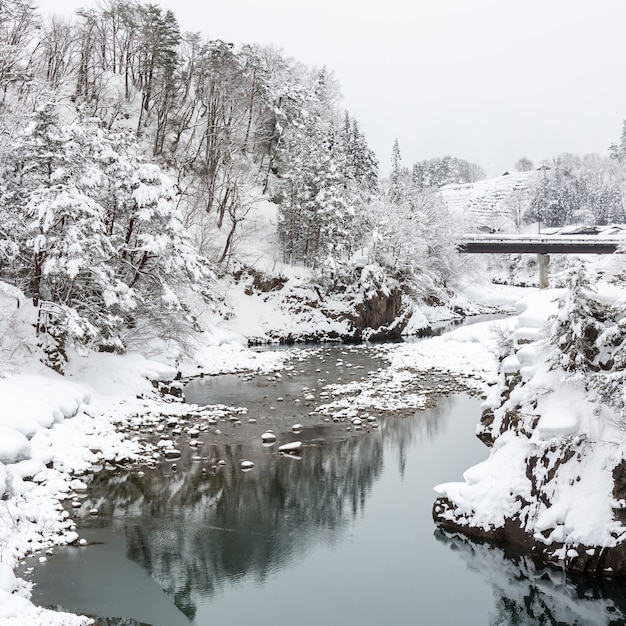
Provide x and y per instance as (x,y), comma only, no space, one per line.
(53,431)
(107,412)
(553,484)
(57,428)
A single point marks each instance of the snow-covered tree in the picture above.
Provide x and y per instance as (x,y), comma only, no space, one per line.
(552,203)
(154,254)
(416,236)
(617,151)
(589,339)
(398,176)
(360,168)
(524,164)
(574,189)
(18,24)
(445,170)
(315,214)
(577,327)
(99,236)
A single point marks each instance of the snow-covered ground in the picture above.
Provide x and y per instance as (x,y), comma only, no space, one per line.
(492,203)
(54,429)
(550,477)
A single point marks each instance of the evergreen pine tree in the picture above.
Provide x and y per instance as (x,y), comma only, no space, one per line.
(102,242)
(578,325)
(397,177)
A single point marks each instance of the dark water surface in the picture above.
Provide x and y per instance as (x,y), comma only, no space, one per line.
(343,535)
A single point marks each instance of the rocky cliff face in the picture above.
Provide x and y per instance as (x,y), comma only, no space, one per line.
(554,485)
(384,315)
(368,303)
(535,526)
(365,306)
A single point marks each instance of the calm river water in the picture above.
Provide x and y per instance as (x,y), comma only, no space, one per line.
(343,535)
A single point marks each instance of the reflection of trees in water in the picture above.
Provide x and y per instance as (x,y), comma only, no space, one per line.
(400,433)
(527,595)
(193,530)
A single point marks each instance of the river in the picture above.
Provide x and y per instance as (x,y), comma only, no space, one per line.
(340,534)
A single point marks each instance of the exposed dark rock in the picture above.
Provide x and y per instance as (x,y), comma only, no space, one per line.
(484,429)
(383,316)
(260,282)
(619,490)
(587,560)
(619,480)
(172,388)
(541,470)
(433,300)
(266,284)
(511,533)
(549,468)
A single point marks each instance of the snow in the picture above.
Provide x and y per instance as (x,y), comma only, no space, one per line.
(510,364)
(561,414)
(493,484)
(8,582)
(294,446)
(54,428)
(578,504)
(267,316)
(465,351)
(488,202)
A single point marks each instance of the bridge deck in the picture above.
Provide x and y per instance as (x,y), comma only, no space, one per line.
(541,244)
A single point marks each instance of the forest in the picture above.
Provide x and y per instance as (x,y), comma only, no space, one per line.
(134,155)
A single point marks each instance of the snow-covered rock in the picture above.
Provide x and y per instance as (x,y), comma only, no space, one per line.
(8,581)
(14,446)
(554,483)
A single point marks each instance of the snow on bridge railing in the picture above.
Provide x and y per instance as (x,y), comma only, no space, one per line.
(504,237)
(590,240)
(478,243)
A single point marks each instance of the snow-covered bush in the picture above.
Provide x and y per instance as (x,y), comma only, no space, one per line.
(589,339)
(17,317)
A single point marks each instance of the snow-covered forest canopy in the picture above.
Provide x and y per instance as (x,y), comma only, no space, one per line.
(134,156)
(136,160)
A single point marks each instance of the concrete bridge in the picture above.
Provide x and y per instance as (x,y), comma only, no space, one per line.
(542,245)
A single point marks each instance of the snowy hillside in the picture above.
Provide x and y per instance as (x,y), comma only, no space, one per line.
(495,203)
(189,198)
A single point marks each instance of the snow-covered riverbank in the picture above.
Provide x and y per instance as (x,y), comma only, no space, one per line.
(553,483)
(54,429)
(57,428)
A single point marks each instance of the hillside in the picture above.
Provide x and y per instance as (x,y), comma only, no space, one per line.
(493,204)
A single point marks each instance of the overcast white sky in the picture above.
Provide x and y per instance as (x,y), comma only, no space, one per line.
(485,80)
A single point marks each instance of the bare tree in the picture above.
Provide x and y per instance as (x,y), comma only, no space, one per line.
(18,24)
(524,164)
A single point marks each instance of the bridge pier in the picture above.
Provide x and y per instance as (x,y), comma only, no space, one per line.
(543,261)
